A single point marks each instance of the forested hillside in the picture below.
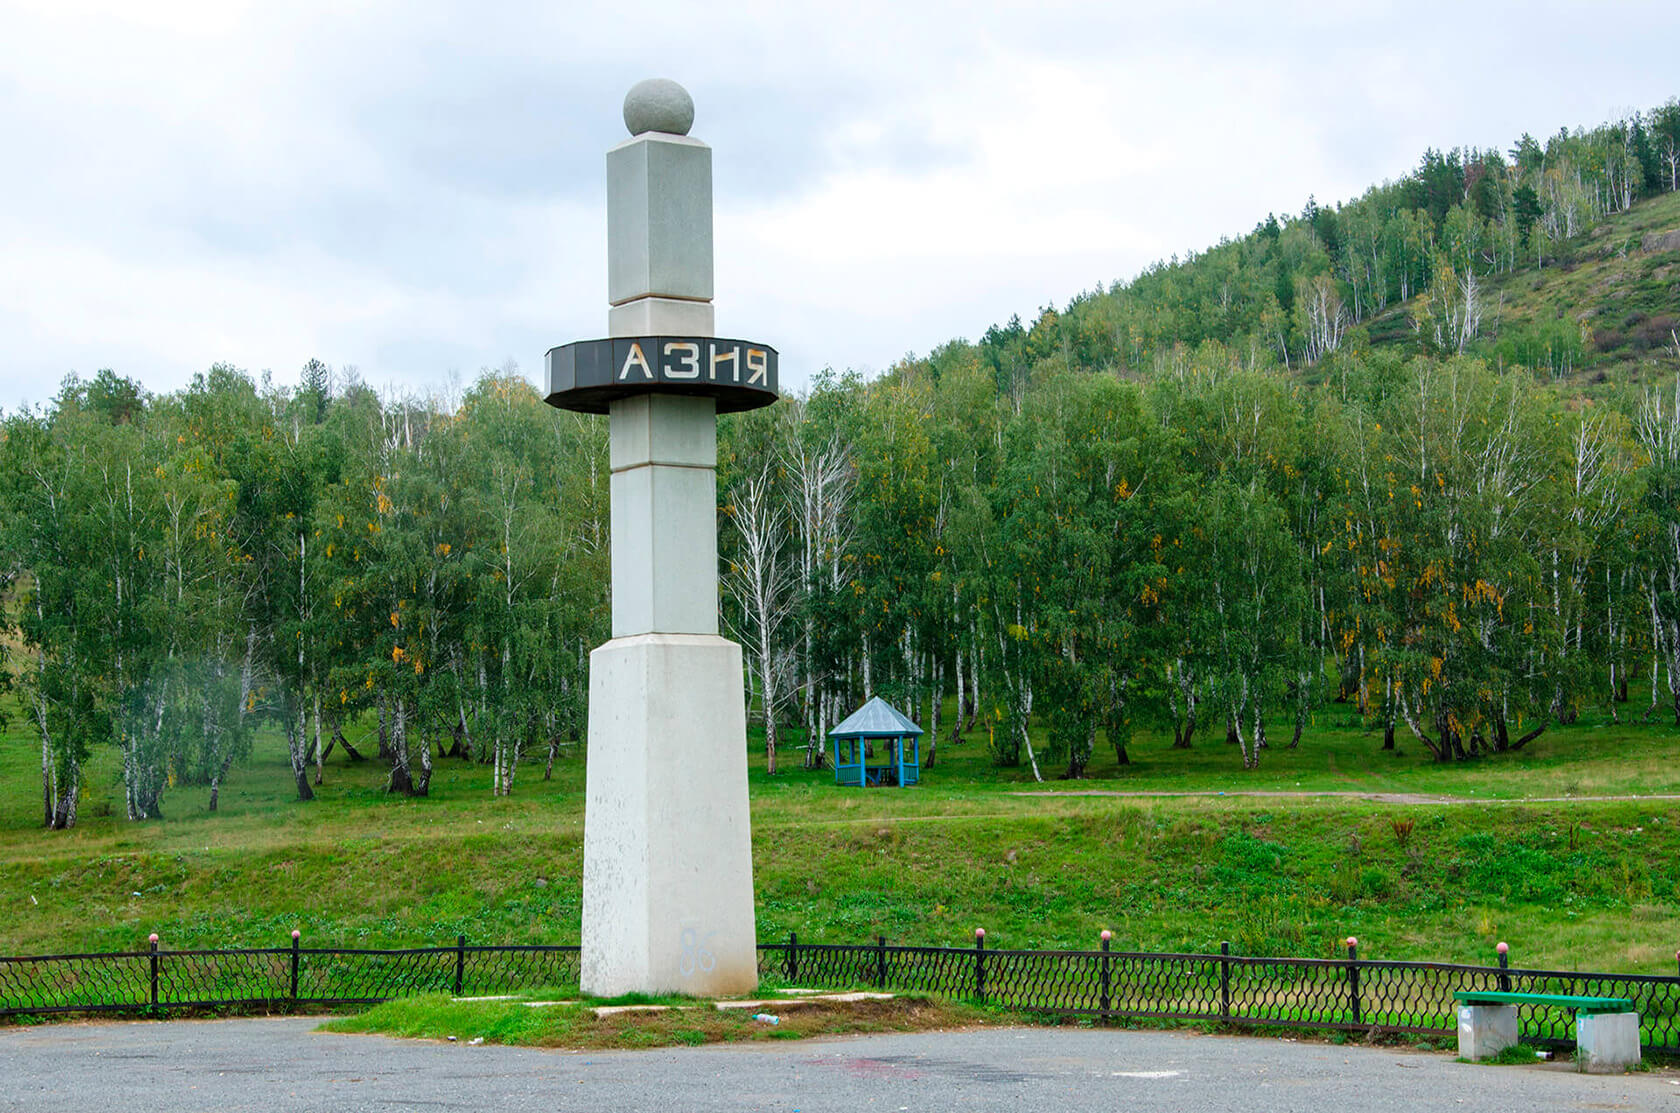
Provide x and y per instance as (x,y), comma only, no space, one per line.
(1356,455)
(1448,259)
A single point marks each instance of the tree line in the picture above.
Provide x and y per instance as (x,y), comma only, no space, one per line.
(1465,554)
(1138,513)
(182,569)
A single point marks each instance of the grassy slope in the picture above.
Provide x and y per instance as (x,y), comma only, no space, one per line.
(1628,296)
(1583,883)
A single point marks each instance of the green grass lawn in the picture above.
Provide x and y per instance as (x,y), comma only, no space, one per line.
(1588,882)
(683,1021)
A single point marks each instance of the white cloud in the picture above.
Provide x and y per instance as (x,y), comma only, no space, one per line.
(417,187)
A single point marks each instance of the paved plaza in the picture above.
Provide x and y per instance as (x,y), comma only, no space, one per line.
(284,1065)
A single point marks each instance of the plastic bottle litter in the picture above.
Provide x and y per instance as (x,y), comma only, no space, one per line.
(767,1018)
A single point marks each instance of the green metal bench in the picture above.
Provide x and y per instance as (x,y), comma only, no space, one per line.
(1606,1028)
(1561,1000)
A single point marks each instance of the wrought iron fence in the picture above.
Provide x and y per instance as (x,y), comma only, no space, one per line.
(1349,994)
(273,977)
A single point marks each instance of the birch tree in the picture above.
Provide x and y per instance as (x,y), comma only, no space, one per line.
(1324,317)
(1657,427)
(762,585)
(820,481)
(64,680)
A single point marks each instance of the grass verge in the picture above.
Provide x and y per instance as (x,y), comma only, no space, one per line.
(528,1023)
(1450,861)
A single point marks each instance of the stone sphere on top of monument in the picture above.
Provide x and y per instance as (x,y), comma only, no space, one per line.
(658,104)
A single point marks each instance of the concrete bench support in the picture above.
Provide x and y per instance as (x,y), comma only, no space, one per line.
(1486,1030)
(1605,1043)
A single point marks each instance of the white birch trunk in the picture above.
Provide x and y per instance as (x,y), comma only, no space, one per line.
(1026,735)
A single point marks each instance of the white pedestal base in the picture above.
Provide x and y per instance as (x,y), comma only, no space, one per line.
(1485,1030)
(1607,1042)
(667,860)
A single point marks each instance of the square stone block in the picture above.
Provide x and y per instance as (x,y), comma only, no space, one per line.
(1485,1030)
(659,219)
(667,833)
(663,429)
(664,550)
(1606,1042)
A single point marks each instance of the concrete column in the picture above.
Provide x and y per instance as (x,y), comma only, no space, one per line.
(1606,1043)
(1485,1030)
(664,515)
(667,861)
(659,219)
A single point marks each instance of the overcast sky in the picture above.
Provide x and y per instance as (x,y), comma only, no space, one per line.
(417,188)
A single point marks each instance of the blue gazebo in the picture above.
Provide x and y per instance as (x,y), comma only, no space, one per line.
(898,761)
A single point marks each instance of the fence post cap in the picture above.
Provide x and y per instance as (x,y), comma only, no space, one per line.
(152,938)
(1107,935)
(1352,942)
(1503,948)
(296,934)
(979,933)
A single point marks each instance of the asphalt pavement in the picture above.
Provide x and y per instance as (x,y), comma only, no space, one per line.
(284,1065)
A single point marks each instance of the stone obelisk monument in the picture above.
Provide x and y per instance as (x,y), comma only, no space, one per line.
(667,842)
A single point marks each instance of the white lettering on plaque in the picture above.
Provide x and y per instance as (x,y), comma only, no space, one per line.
(635,358)
(758,364)
(689,352)
(733,358)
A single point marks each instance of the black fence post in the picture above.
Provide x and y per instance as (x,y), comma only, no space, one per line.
(793,956)
(980,964)
(1106,936)
(1504,950)
(880,961)
(1353,977)
(296,937)
(1225,981)
(153,939)
(460,962)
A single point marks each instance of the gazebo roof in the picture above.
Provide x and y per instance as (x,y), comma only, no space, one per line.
(875,719)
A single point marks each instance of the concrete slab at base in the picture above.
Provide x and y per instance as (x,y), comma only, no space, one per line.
(1485,1030)
(604,1011)
(1606,1043)
(667,859)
